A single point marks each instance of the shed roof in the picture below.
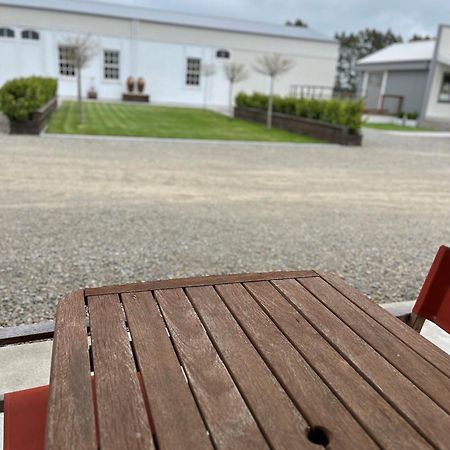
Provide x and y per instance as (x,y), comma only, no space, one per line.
(168,17)
(404,52)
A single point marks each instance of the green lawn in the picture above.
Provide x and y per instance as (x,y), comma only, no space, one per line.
(123,119)
(393,127)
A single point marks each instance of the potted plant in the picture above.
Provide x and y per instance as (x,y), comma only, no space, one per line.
(130,84)
(141,85)
(92,93)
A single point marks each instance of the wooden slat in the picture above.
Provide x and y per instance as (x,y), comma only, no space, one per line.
(70,419)
(413,366)
(382,422)
(197,281)
(122,418)
(277,416)
(409,401)
(317,403)
(27,333)
(178,423)
(228,419)
(425,348)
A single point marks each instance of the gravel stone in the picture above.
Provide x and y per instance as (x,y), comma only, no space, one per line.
(90,212)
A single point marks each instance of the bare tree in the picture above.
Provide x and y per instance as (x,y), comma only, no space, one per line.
(234,73)
(81,51)
(208,70)
(273,66)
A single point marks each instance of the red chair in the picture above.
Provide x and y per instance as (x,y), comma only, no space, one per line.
(25,415)
(433,302)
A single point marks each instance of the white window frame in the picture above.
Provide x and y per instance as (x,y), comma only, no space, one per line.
(443,96)
(8,29)
(111,65)
(31,33)
(67,62)
(223,53)
(192,77)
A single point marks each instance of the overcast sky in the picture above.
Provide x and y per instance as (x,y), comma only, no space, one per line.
(404,17)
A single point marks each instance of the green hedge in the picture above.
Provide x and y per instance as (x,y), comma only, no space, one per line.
(338,112)
(409,115)
(20,97)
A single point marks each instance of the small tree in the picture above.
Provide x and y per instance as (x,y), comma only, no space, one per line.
(208,70)
(81,51)
(234,73)
(273,66)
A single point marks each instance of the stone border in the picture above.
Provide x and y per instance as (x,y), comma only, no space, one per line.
(37,122)
(27,333)
(336,134)
(401,310)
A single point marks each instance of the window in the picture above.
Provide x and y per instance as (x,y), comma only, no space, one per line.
(30,34)
(66,61)
(193,67)
(111,64)
(6,32)
(444,93)
(222,53)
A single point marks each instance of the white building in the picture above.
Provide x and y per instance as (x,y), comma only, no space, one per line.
(413,77)
(167,49)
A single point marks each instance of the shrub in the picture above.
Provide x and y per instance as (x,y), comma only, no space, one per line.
(346,112)
(20,97)
(409,115)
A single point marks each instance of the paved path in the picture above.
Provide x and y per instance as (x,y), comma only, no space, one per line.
(86,212)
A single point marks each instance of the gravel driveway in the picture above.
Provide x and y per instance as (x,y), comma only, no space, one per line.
(88,212)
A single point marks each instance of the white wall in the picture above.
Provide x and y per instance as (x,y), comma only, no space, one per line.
(435,109)
(158,53)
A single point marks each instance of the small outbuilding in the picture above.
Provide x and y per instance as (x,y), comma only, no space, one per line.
(411,77)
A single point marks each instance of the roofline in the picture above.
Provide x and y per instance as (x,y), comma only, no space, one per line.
(361,61)
(105,9)
(385,63)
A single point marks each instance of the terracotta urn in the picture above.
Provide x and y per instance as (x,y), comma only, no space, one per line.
(141,85)
(130,84)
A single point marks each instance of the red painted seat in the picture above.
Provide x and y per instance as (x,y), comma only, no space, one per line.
(24,419)
(433,302)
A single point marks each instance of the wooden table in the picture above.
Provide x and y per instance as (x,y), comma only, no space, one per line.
(256,361)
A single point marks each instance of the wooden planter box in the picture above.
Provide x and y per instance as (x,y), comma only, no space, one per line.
(143,98)
(336,134)
(37,122)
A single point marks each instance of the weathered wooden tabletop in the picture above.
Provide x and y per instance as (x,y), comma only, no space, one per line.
(256,361)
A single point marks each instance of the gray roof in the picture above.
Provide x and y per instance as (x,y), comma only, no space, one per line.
(173,18)
(401,52)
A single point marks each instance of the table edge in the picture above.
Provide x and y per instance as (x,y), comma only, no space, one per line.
(198,281)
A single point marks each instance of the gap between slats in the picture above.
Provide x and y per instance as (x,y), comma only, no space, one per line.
(394,364)
(91,366)
(295,402)
(124,322)
(141,384)
(221,356)
(360,372)
(182,369)
(299,332)
(403,339)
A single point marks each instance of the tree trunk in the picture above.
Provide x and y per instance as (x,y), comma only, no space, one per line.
(269,106)
(230,99)
(80,99)
(205,92)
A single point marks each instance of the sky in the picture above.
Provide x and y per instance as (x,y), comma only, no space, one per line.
(404,17)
